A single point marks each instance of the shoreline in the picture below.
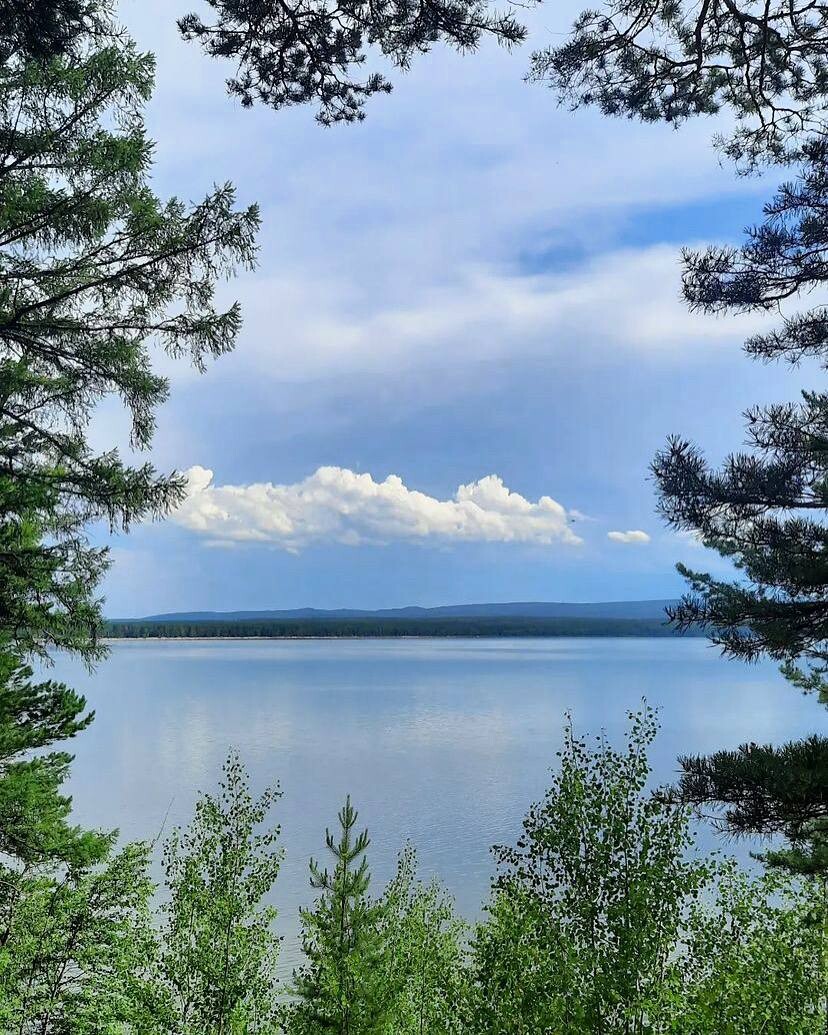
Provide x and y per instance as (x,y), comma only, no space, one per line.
(405,636)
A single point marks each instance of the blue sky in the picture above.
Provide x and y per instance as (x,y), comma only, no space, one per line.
(474,282)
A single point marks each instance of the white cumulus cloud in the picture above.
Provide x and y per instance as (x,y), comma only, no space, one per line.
(633,535)
(337,505)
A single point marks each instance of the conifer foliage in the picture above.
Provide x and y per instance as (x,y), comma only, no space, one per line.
(339,987)
(290,52)
(767,790)
(43,30)
(34,814)
(764,508)
(762,63)
(94,268)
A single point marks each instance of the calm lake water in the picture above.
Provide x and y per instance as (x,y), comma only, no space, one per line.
(445,742)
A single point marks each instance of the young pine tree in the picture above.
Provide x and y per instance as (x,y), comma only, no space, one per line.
(341,988)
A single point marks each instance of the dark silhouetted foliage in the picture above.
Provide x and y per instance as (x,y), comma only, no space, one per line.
(298,51)
(763,64)
(767,790)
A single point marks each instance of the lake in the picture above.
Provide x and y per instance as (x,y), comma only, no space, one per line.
(445,742)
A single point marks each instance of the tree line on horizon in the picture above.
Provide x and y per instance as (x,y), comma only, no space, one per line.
(286,628)
(96,269)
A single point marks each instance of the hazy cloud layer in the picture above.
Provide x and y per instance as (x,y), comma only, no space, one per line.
(466,219)
(633,535)
(336,505)
(621,303)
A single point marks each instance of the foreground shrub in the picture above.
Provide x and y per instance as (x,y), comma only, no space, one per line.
(77,950)
(753,960)
(219,953)
(603,920)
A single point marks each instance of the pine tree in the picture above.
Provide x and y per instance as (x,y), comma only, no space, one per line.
(764,65)
(302,51)
(770,791)
(93,269)
(765,507)
(44,30)
(340,986)
(34,814)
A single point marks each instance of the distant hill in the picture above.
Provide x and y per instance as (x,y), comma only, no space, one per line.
(652,610)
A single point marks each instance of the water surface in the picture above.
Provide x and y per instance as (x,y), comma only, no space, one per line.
(445,742)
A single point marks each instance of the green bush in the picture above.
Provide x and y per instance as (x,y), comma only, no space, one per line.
(603,919)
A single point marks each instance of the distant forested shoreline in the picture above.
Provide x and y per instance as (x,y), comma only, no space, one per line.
(355,628)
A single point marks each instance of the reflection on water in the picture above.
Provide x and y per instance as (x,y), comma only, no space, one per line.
(445,742)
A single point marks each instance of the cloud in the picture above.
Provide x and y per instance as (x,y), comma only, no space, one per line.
(374,252)
(336,505)
(634,535)
(690,537)
(623,302)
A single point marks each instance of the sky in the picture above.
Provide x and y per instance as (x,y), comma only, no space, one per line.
(463,343)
